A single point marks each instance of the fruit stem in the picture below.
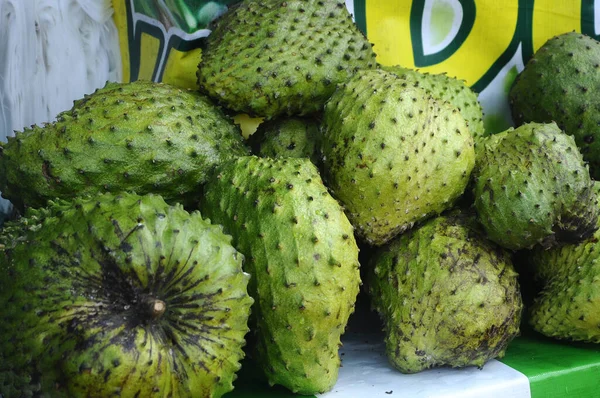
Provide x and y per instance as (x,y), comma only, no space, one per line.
(155,307)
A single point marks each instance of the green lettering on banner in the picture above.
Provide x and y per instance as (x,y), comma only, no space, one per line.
(588,13)
(416,29)
(522,36)
(360,15)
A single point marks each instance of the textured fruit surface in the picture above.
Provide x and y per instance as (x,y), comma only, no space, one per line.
(561,83)
(121,296)
(292,137)
(446,295)
(275,57)
(532,186)
(449,89)
(303,261)
(392,154)
(567,306)
(142,137)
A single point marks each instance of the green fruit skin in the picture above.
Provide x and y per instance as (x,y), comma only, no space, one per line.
(533,187)
(292,137)
(448,89)
(446,295)
(272,58)
(392,155)
(76,292)
(567,306)
(559,84)
(303,260)
(142,137)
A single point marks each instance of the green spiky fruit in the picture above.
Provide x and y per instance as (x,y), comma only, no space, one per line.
(303,260)
(449,89)
(16,231)
(561,83)
(274,57)
(142,137)
(392,154)
(567,306)
(121,295)
(292,137)
(447,296)
(532,186)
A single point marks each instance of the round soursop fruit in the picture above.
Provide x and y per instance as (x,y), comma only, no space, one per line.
(392,154)
(446,295)
(273,58)
(303,258)
(532,186)
(141,137)
(567,306)
(449,89)
(292,137)
(561,83)
(120,296)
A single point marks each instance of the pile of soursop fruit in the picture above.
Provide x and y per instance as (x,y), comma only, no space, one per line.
(156,248)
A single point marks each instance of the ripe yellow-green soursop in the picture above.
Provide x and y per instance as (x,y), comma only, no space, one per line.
(532,186)
(447,296)
(292,137)
(282,57)
(120,295)
(392,154)
(567,306)
(303,261)
(141,137)
(561,83)
(450,89)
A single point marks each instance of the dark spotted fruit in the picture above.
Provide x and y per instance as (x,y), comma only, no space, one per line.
(142,137)
(533,187)
(561,83)
(274,57)
(120,296)
(393,155)
(302,257)
(447,295)
(292,137)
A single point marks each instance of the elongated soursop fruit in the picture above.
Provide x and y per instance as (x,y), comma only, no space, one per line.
(303,261)
(446,295)
(449,89)
(392,154)
(567,306)
(292,137)
(561,83)
(120,295)
(141,137)
(532,186)
(282,57)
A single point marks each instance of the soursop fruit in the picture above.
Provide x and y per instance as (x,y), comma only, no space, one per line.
(303,259)
(532,186)
(449,89)
(16,231)
(141,137)
(392,154)
(120,295)
(446,295)
(567,306)
(561,84)
(292,137)
(272,58)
